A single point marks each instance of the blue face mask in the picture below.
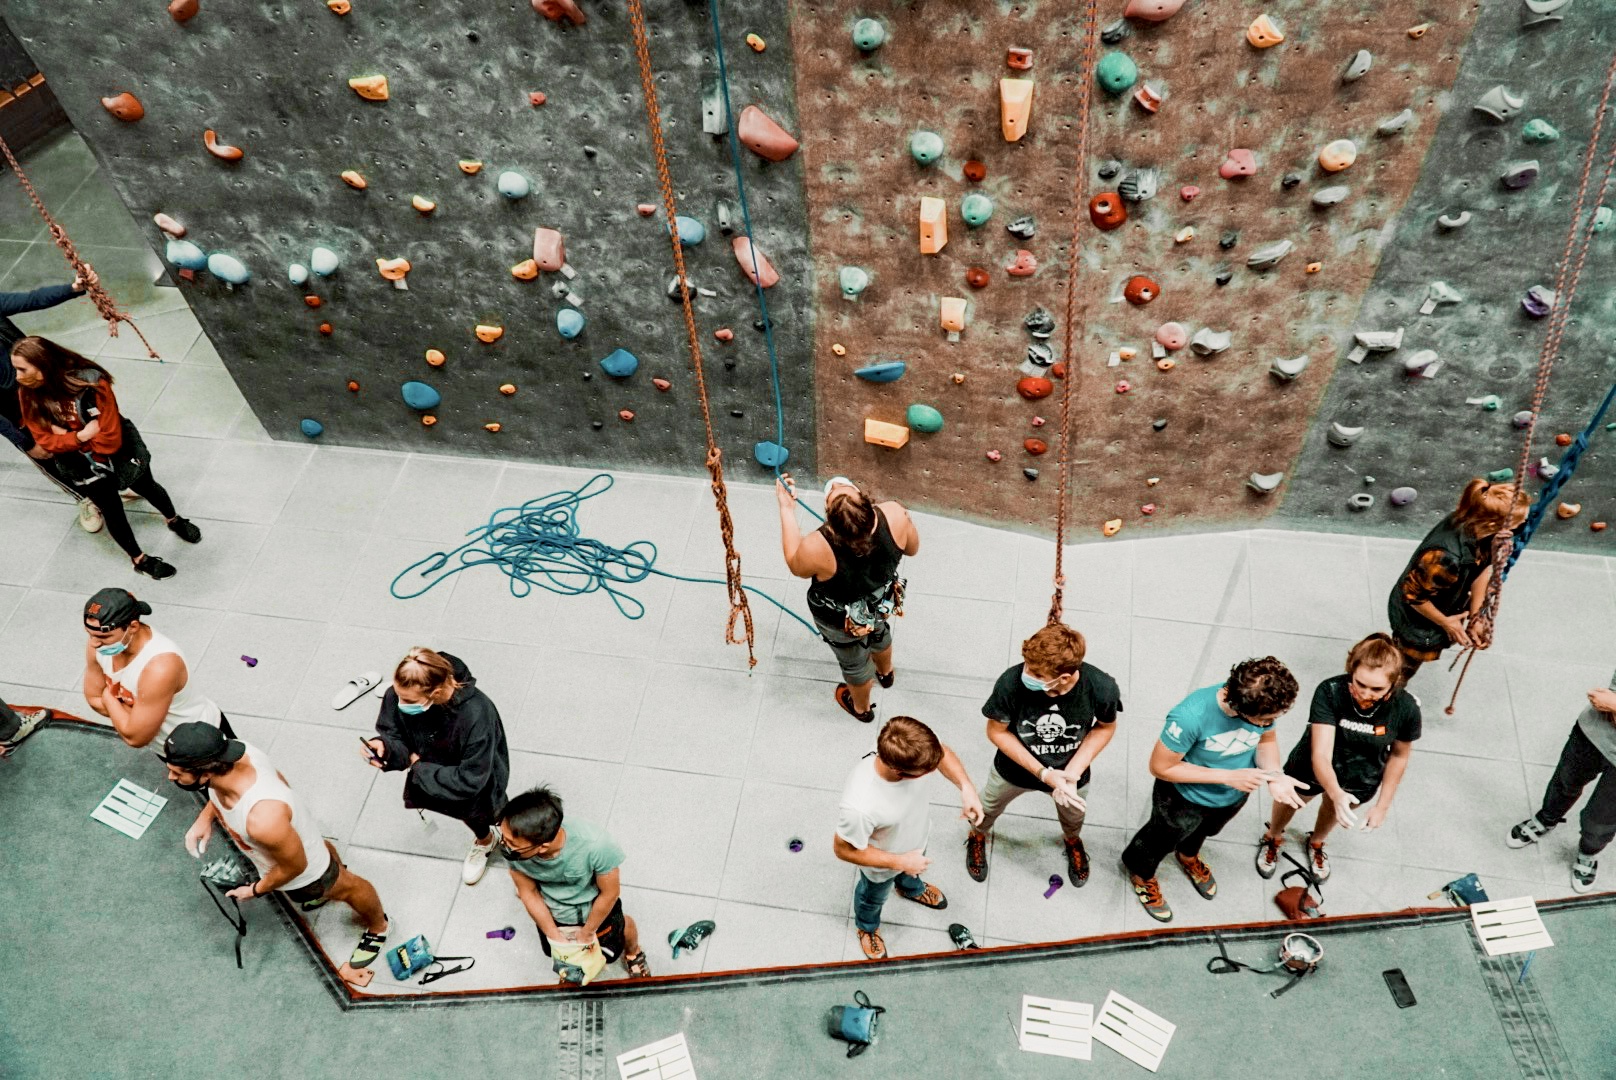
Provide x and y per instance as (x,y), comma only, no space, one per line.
(112,650)
(1033,684)
(414,710)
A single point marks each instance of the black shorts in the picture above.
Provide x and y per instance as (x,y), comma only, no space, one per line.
(313,895)
(610,935)
(1303,771)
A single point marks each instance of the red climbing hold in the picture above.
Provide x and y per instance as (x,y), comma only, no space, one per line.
(1106,211)
(1018,58)
(662,384)
(764,275)
(181,10)
(325,328)
(625,415)
(1035,446)
(765,138)
(556,10)
(1025,265)
(1058,371)
(312,301)
(536,98)
(1032,388)
(1239,163)
(1124,386)
(1188,192)
(724,333)
(124,106)
(975,171)
(1140,290)
(353,387)
(1148,509)
(977,278)
(994,455)
(223,152)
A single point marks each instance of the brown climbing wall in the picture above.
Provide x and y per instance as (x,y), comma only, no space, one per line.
(1226,417)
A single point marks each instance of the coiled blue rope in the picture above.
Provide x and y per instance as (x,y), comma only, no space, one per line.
(539,545)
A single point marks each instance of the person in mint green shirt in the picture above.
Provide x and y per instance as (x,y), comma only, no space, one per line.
(1217,747)
(567,878)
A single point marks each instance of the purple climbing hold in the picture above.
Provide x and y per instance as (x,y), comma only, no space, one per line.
(504,932)
(794,844)
(1522,419)
(1402,496)
(250,661)
(1538,301)
(1055,882)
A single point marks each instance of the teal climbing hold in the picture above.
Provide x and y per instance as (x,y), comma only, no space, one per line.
(1540,131)
(1602,218)
(227,267)
(186,255)
(853,280)
(620,364)
(926,146)
(924,418)
(869,35)
(976,208)
(311,428)
(770,455)
(569,322)
(1116,72)
(1499,476)
(513,185)
(420,396)
(691,231)
(297,273)
(888,371)
(323,261)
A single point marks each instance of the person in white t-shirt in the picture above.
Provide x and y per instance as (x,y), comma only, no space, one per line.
(884,819)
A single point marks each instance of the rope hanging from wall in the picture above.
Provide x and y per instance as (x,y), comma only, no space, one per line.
(92,284)
(1579,234)
(1085,85)
(738,607)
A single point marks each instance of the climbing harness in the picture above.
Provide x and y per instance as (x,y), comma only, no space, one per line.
(539,545)
(738,607)
(1299,956)
(92,285)
(1579,235)
(1085,84)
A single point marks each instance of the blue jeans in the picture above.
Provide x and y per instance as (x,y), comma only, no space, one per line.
(868,896)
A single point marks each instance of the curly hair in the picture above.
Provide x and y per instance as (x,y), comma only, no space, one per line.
(1260,687)
(1056,648)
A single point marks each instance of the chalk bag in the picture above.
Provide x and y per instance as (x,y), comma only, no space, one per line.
(855,1024)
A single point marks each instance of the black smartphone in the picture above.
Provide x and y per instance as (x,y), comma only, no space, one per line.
(1398,985)
(370,750)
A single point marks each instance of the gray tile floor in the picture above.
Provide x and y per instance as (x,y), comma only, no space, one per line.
(655,728)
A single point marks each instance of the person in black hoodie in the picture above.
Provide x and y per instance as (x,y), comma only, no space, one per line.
(436,724)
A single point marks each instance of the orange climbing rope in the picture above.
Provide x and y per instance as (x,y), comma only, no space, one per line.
(1085,87)
(1579,234)
(92,284)
(738,607)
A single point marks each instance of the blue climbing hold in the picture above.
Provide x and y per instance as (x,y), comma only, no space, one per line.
(420,396)
(569,322)
(311,428)
(227,267)
(691,231)
(889,371)
(186,255)
(770,455)
(513,185)
(620,364)
(323,261)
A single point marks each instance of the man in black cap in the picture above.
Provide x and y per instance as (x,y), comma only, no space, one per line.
(16,726)
(136,677)
(258,809)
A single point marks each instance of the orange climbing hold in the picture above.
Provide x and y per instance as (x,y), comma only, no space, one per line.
(507,389)
(491,427)
(181,10)
(489,334)
(759,272)
(393,269)
(1562,439)
(1018,58)
(556,10)
(1263,33)
(536,98)
(354,180)
(353,387)
(325,328)
(428,421)
(760,134)
(312,301)
(881,433)
(1015,107)
(1035,446)
(371,87)
(1032,387)
(339,7)
(470,167)
(222,151)
(425,206)
(124,106)
(1112,527)
(839,349)
(526,270)
(933,225)
(757,44)
(435,358)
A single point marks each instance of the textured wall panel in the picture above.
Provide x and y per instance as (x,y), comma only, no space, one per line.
(272,78)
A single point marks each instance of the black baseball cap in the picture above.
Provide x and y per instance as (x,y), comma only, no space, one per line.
(113,609)
(196,743)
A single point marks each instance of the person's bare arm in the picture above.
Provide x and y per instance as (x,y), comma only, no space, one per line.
(1396,766)
(163,678)
(527,891)
(1283,788)
(610,885)
(269,827)
(1169,765)
(953,770)
(806,556)
(911,862)
(1452,625)
(904,533)
(95,682)
(1478,589)
(1000,736)
(1098,738)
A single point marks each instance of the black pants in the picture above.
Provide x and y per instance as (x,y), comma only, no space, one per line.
(1581,763)
(104,494)
(1175,824)
(10,722)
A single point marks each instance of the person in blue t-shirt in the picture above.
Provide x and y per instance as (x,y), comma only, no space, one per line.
(1217,747)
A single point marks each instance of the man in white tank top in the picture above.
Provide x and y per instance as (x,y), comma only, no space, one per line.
(257,808)
(136,677)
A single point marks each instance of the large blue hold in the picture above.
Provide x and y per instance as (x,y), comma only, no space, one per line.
(228,268)
(569,322)
(186,255)
(420,396)
(691,231)
(311,428)
(890,371)
(620,364)
(770,455)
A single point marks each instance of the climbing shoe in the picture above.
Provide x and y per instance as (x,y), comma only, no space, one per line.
(31,722)
(155,568)
(369,948)
(886,680)
(1267,856)
(1529,831)
(961,936)
(1077,864)
(976,855)
(931,897)
(1200,875)
(844,698)
(688,938)
(185,530)
(1148,890)
(874,948)
(1318,861)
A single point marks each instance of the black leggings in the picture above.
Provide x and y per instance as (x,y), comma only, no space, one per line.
(104,494)
(1176,824)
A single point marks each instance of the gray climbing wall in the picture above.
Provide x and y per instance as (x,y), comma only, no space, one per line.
(1420,432)
(271,78)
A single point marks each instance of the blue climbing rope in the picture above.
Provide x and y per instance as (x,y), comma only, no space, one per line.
(1551,490)
(539,545)
(746,224)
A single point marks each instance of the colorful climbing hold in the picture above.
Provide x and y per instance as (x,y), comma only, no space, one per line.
(227,268)
(354,179)
(339,7)
(526,270)
(1152,10)
(469,166)
(494,428)
(124,106)
(1112,527)
(185,255)
(1023,265)
(419,396)
(925,146)
(662,384)
(325,328)
(435,357)
(760,134)
(424,205)
(620,363)
(1018,58)
(1338,155)
(886,371)
(933,225)
(1238,163)
(297,273)
(311,428)
(513,185)
(1123,386)
(323,261)
(691,231)
(1402,496)
(556,10)
(1535,131)
(724,333)
(881,433)
(223,152)
(536,98)
(370,87)
(977,278)
(1538,301)
(1035,446)
(753,263)
(353,386)
(852,280)
(313,301)
(1264,33)
(1107,212)
(1140,290)
(393,269)
(868,35)
(488,334)
(756,43)
(924,418)
(1116,72)
(1015,108)
(1150,95)
(976,209)
(183,10)
(974,171)
(771,455)
(1033,387)
(507,389)
(168,225)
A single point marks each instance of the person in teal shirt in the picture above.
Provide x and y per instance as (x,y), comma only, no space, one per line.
(1217,747)
(567,878)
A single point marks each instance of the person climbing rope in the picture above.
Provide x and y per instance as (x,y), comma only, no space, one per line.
(1436,598)
(72,413)
(855,589)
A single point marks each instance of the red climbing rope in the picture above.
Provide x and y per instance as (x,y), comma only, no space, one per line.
(1085,86)
(1579,234)
(92,284)
(738,607)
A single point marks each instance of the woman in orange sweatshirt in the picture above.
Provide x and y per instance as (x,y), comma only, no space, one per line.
(71,411)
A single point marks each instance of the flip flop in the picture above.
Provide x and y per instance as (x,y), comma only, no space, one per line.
(687,939)
(355,688)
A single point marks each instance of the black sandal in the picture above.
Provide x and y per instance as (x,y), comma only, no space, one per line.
(153,567)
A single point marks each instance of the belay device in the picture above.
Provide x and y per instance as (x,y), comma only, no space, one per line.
(1299,956)
(855,1024)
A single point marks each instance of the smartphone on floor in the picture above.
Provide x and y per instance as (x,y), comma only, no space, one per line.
(1398,985)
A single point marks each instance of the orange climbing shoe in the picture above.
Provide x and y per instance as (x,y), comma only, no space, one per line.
(1200,875)
(844,698)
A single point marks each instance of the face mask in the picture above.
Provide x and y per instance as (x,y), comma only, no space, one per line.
(1033,684)
(195,785)
(112,650)
(414,710)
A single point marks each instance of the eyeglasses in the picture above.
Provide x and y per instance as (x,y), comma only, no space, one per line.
(507,849)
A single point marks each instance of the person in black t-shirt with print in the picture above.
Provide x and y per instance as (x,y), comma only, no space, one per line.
(1049,716)
(1359,737)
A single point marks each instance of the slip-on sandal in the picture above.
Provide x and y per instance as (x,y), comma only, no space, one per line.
(355,688)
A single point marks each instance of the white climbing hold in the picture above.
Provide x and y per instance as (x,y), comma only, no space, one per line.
(1392,125)
(1210,342)
(1439,292)
(1454,221)
(297,273)
(1332,195)
(1423,363)
(1375,341)
(1268,256)
(1343,436)
(1265,483)
(1499,104)
(1542,11)
(1489,402)
(1289,369)
(1361,501)
(1359,67)
(323,261)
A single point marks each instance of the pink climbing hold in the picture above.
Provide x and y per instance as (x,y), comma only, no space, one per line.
(762,274)
(646,209)
(169,225)
(536,98)
(1124,386)
(1152,10)
(549,249)
(1039,421)
(1025,265)
(556,10)
(1172,336)
(724,333)
(994,455)
(765,138)
(1188,192)
(1239,163)
(662,384)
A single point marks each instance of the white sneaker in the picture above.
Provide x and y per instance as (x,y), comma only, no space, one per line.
(90,519)
(476,864)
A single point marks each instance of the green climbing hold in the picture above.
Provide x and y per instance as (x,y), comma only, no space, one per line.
(1499,476)
(1602,218)
(926,146)
(924,418)
(1116,72)
(869,35)
(853,280)
(1540,131)
(976,208)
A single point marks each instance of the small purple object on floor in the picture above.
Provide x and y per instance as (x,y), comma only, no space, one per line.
(507,933)
(250,661)
(1055,882)
(795,844)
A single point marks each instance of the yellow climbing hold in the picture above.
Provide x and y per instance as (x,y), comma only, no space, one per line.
(881,433)
(1263,33)
(435,358)
(757,43)
(1112,527)
(426,206)
(469,167)
(370,87)
(526,270)
(354,180)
